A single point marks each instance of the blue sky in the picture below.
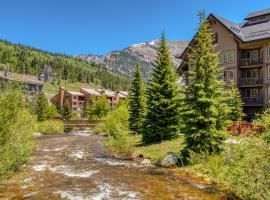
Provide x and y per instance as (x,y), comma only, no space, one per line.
(98,26)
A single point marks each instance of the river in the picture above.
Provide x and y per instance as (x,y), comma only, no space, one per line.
(76,167)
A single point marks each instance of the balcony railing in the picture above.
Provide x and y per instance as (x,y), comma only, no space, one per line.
(253,100)
(251,61)
(250,81)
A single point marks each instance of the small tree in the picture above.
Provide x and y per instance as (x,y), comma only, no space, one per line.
(205,109)
(235,104)
(66,111)
(97,107)
(41,106)
(137,101)
(162,117)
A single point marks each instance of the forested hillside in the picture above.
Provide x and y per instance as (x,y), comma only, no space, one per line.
(57,67)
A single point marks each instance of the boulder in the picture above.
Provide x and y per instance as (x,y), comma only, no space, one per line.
(170,160)
(136,156)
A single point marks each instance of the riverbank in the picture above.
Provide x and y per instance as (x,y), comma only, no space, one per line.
(75,166)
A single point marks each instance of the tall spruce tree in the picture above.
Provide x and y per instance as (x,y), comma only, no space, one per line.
(41,106)
(162,118)
(205,109)
(235,104)
(137,101)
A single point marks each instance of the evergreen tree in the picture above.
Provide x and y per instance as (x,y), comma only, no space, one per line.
(162,117)
(66,111)
(41,106)
(137,101)
(205,111)
(235,104)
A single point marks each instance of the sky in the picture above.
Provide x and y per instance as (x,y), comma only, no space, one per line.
(99,26)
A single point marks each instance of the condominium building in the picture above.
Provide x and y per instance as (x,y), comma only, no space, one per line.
(244,55)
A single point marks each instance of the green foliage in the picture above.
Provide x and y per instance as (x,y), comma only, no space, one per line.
(48,127)
(27,60)
(162,117)
(241,169)
(264,120)
(16,129)
(235,104)
(42,109)
(117,127)
(137,101)
(97,108)
(205,111)
(66,111)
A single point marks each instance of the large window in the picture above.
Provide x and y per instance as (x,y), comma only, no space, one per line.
(228,75)
(227,57)
(268,72)
(268,52)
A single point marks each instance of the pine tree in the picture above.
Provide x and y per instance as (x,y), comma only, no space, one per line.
(66,111)
(162,117)
(205,110)
(41,106)
(137,101)
(235,104)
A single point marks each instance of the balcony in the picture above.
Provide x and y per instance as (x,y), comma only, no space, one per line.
(251,61)
(253,101)
(248,82)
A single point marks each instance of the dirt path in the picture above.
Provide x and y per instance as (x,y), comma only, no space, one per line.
(76,167)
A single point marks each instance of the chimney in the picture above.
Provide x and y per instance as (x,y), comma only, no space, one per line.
(61,97)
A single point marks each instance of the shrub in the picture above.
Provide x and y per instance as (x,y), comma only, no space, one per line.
(51,127)
(97,108)
(116,125)
(241,170)
(16,129)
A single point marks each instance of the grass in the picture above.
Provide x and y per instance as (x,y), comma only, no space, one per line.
(50,89)
(49,127)
(156,152)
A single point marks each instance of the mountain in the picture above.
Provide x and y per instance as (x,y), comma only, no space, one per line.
(123,62)
(57,67)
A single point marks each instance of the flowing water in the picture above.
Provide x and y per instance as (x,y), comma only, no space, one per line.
(76,167)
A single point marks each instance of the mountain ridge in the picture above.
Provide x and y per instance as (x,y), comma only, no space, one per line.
(123,61)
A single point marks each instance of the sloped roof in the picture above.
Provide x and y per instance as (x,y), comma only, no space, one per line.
(23,78)
(244,32)
(125,93)
(258,13)
(75,93)
(91,91)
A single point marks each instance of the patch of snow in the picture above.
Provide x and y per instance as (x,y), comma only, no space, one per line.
(55,149)
(139,44)
(67,171)
(77,154)
(153,42)
(232,141)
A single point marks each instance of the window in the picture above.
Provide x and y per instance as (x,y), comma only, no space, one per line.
(268,52)
(225,75)
(215,40)
(231,75)
(227,57)
(268,72)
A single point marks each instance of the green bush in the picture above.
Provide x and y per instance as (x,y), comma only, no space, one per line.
(51,127)
(117,127)
(241,170)
(97,108)
(16,129)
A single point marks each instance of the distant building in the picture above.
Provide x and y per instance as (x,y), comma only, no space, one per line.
(244,56)
(33,84)
(78,100)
